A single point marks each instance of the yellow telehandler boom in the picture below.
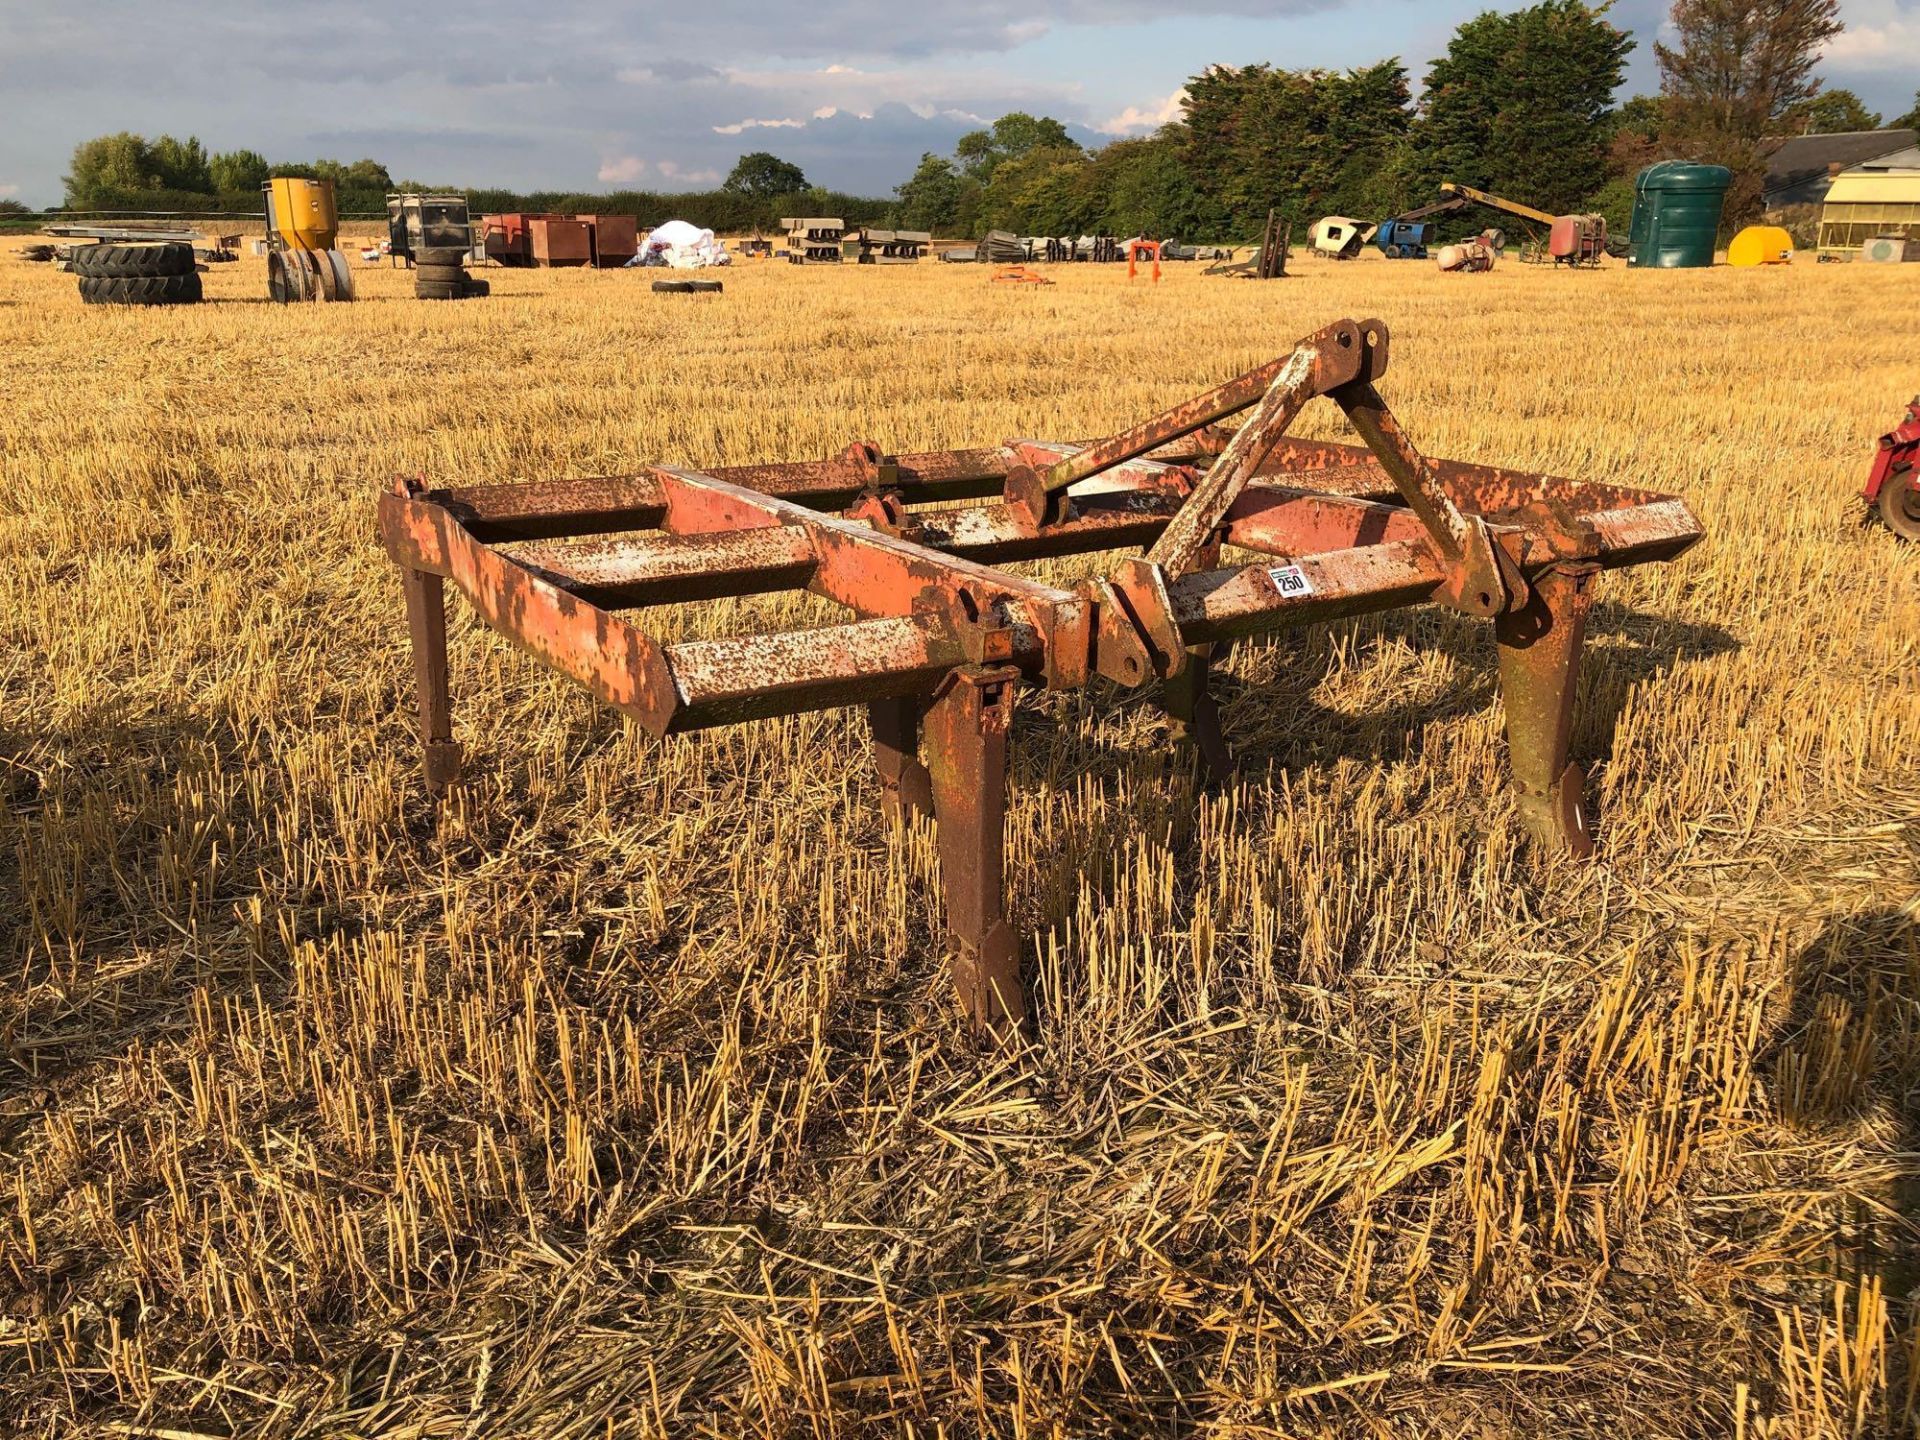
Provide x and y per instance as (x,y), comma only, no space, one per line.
(1481,197)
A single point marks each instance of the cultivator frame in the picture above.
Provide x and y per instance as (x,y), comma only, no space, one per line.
(941,635)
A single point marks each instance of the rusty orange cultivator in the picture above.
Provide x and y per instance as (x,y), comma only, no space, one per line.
(940,636)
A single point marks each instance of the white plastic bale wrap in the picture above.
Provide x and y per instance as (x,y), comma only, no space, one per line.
(681,246)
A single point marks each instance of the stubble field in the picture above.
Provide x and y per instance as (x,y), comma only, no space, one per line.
(625,1095)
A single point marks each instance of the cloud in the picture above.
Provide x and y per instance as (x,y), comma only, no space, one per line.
(689,178)
(378,139)
(1887,38)
(623,170)
(7,192)
(671,72)
(1151,116)
(925,89)
(739,126)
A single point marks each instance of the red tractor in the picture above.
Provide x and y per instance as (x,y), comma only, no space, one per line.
(1894,485)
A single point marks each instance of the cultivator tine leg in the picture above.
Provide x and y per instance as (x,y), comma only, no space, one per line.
(1540,647)
(967,758)
(1477,582)
(427,623)
(1193,715)
(906,787)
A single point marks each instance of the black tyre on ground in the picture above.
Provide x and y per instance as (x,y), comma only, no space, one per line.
(125,262)
(706,287)
(440,289)
(1900,504)
(673,287)
(476,289)
(141,289)
(439,274)
(440,255)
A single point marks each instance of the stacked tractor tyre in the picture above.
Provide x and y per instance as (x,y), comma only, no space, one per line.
(440,273)
(161,274)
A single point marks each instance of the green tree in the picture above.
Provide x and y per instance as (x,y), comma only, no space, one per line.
(1311,142)
(934,196)
(1831,112)
(360,175)
(180,165)
(1910,120)
(127,171)
(1013,136)
(1518,103)
(107,168)
(239,172)
(764,176)
(975,153)
(1144,187)
(1017,133)
(1368,121)
(1038,192)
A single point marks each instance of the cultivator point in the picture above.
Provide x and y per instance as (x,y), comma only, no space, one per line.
(943,637)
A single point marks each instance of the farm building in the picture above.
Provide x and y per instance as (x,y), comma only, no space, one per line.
(1879,197)
(1801,167)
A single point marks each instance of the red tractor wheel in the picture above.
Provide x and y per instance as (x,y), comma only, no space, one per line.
(1900,503)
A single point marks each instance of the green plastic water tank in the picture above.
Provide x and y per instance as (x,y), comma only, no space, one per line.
(1676,214)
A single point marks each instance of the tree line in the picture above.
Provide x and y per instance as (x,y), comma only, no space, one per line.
(130,172)
(1521,104)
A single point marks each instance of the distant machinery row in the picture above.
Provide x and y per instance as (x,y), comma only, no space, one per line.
(523,239)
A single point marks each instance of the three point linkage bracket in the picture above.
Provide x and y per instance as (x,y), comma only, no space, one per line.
(942,636)
(1137,632)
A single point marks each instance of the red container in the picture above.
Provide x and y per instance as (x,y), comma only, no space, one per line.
(507,239)
(559,240)
(616,238)
(1577,238)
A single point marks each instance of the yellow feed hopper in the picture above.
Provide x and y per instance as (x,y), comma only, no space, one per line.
(303,222)
(1760,245)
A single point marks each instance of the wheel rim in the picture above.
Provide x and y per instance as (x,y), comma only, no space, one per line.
(1900,505)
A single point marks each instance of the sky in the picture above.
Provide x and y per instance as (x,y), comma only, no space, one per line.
(603,94)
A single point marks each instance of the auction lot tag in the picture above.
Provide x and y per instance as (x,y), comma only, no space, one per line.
(1291,581)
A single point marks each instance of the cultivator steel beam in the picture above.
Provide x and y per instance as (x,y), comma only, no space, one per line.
(941,636)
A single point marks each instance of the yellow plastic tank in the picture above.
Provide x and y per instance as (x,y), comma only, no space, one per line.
(303,212)
(1760,245)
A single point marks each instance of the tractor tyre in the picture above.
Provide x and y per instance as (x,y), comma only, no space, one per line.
(476,289)
(429,256)
(673,287)
(132,262)
(706,287)
(293,276)
(141,289)
(1900,503)
(439,274)
(333,264)
(439,290)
